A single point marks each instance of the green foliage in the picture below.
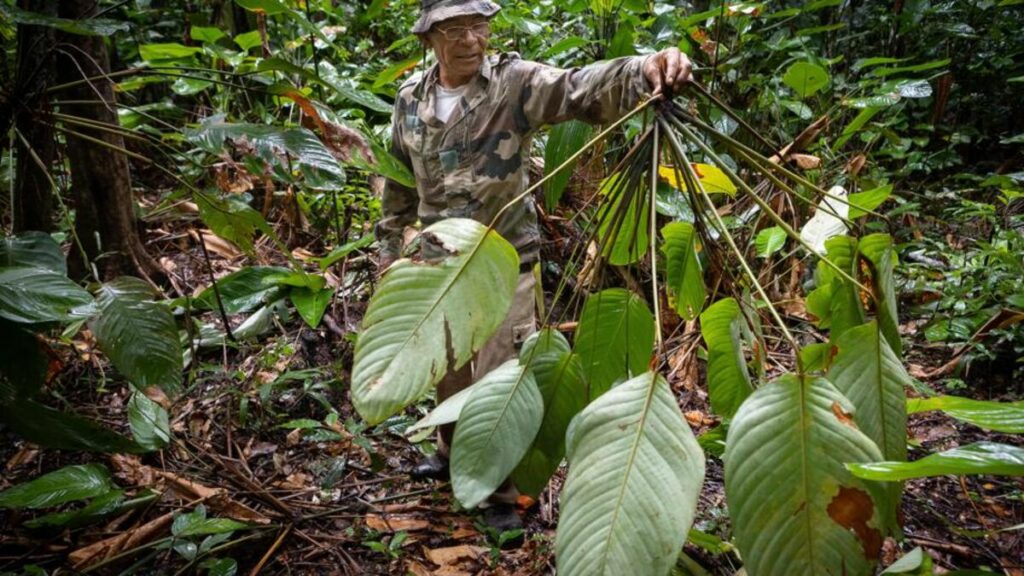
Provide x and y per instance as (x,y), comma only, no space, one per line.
(563,141)
(630,452)
(564,391)
(684,278)
(728,378)
(496,427)
(431,315)
(977,458)
(614,338)
(870,375)
(801,510)
(59,487)
(999,416)
(138,335)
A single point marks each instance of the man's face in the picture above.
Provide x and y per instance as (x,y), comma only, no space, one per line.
(459,44)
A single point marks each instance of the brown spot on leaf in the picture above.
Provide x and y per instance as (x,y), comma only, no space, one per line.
(842,415)
(852,508)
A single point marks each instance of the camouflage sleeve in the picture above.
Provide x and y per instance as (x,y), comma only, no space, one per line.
(399,203)
(598,93)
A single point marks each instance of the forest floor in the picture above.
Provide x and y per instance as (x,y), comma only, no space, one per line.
(254,441)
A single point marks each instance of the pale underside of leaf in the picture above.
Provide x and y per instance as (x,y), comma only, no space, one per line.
(795,507)
(429,317)
(635,471)
(495,428)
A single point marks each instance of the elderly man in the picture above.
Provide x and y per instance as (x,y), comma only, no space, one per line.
(464,128)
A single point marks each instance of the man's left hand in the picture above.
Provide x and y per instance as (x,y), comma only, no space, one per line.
(669,68)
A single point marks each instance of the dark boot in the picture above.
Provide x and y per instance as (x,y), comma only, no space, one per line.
(433,467)
(503,518)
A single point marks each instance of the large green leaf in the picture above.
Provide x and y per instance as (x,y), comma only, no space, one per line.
(867,371)
(881,255)
(444,413)
(281,148)
(977,458)
(805,78)
(62,430)
(796,509)
(999,416)
(231,219)
(496,426)
(836,300)
(59,487)
(564,390)
(614,339)
(37,249)
(29,295)
(83,27)
(564,140)
(149,422)
(431,315)
(244,290)
(728,379)
(769,241)
(311,304)
(861,202)
(623,219)
(684,278)
(138,335)
(635,472)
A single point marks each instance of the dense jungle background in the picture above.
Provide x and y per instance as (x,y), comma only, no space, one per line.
(189,193)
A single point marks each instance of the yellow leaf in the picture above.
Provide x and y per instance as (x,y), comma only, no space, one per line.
(711,177)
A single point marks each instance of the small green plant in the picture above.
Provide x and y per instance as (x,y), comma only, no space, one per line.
(390,546)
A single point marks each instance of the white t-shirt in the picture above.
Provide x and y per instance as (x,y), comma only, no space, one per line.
(447,100)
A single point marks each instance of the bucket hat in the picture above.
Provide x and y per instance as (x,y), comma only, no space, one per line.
(434,11)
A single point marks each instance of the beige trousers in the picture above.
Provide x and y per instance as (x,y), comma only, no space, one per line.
(504,345)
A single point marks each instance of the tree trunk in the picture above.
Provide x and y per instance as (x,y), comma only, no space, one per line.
(33,192)
(100,178)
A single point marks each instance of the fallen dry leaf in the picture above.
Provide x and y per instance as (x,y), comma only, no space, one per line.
(395,523)
(157,395)
(453,554)
(26,455)
(97,551)
(417,569)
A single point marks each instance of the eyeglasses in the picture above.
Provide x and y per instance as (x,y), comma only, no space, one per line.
(452,33)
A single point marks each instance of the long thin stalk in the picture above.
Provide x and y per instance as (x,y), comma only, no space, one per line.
(760,202)
(688,168)
(652,237)
(590,143)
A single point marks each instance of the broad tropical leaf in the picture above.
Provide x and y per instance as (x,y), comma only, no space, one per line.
(977,458)
(836,300)
(635,472)
(495,428)
(711,177)
(29,295)
(805,78)
(560,380)
(446,412)
(311,304)
(431,315)
(138,335)
(769,241)
(59,487)
(83,27)
(728,379)
(614,339)
(244,290)
(564,140)
(796,509)
(878,249)
(999,416)
(62,430)
(232,219)
(684,278)
(861,202)
(149,422)
(867,371)
(36,249)
(623,219)
(280,148)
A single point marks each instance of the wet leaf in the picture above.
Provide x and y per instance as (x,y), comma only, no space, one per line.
(977,458)
(59,487)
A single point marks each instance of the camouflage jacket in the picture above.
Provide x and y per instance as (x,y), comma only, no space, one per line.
(475,163)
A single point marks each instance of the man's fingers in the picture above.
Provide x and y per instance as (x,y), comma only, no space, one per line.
(685,71)
(671,67)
